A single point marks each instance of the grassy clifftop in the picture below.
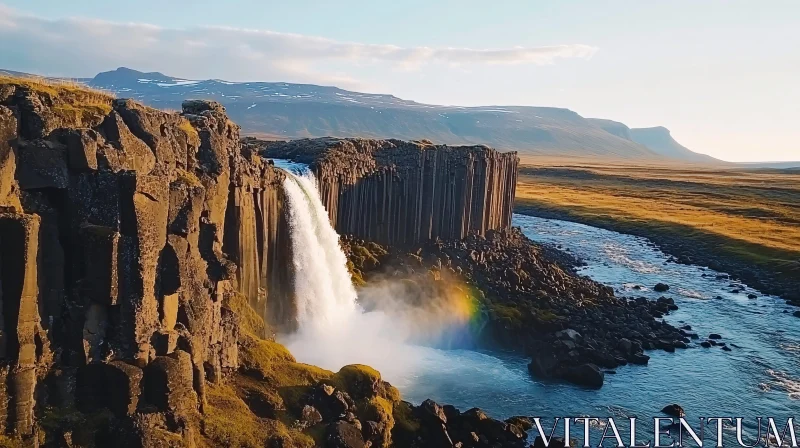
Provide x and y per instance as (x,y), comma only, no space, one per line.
(76,103)
(746,223)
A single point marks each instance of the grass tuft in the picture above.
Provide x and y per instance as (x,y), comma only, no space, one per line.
(73,102)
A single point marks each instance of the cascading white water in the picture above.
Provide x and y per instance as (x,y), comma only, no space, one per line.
(323,289)
(333,330)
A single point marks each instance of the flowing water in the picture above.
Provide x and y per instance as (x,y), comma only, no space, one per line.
(760,377)
(324,293)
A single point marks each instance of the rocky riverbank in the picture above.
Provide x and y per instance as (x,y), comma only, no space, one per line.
(763,278)
(573,328)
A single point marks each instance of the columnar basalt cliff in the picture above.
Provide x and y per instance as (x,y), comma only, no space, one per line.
(124,233)
(140,251)
(405,193)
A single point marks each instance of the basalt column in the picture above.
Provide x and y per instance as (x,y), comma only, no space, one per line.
(403,193)
(21,336)
(257,239)
(128,236)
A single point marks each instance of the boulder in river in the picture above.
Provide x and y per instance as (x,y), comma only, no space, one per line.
(714,336)
(661,287)
(674,410)
(588,375)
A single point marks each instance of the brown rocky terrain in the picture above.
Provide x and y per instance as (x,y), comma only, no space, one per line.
(572,327)
(140,251)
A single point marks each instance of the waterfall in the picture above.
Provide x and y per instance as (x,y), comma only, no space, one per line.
(323,289)
(333,329)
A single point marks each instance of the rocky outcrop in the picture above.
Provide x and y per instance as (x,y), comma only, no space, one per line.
(530,300)
(125,232)
(404,193)
(433,425)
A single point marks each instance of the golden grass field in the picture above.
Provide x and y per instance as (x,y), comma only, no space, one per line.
(743,217)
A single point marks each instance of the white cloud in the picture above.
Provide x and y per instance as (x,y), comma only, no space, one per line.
(82,47)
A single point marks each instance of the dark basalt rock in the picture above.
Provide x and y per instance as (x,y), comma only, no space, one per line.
(343,435)
(661,287)
(467,429)
(123,231)
(534,302)
(674,410)
(405,193)
(588,375)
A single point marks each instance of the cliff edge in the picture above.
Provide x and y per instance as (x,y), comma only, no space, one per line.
(125,235)
(404,193)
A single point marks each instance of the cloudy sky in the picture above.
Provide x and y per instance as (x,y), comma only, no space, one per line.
(723,76)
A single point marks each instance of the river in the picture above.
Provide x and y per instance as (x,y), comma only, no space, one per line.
(759,377)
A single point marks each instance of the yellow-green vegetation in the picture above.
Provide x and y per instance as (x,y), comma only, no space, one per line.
(363,256)
(187,177)
(278,371)
(510,315)
(360,259)
(191,133)
(249,321)
(750,216)
(54,86)
(271,387)
(375,399)
(358,377)
(73,101)
(228,420)
(363,381)
(404,418)
(379,410)
(356,275)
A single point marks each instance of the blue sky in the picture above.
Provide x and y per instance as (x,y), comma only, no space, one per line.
(721,75)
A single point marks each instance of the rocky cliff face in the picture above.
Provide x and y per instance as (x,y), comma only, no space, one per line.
(124,231)
(140,251)
(404,193)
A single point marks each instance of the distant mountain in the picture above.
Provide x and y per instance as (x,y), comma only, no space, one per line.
(657,139)
(284,110)
(660,140)
(287,111)
(612,127)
